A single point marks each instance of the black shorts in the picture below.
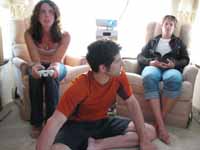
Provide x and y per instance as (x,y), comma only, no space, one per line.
(75,134)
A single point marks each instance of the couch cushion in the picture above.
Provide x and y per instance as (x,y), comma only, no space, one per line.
(131,65)
(18,29)
(150,31)
(185,32)
(136,82)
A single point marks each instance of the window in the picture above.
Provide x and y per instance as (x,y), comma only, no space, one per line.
(5,33)
(195,40)
(79,19)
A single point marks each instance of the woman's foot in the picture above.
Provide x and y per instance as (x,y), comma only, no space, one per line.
(35,132)
(163,135)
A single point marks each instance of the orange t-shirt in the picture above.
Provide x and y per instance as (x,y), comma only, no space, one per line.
(91,100)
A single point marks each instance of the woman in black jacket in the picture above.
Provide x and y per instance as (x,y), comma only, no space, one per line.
(163,58)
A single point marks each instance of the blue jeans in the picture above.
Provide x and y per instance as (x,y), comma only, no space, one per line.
(172,82)
(50,96)
(62,72)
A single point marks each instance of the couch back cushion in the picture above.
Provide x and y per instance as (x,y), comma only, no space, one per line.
(18,27)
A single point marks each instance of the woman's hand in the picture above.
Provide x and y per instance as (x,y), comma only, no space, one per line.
(55,67)
(35,69)
(155,63)
(168,65)
(159,64)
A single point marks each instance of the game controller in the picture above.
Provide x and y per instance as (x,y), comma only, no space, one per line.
(46,73)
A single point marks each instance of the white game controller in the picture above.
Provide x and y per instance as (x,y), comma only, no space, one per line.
(46,73)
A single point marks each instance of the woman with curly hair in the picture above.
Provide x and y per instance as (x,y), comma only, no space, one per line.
(47,45)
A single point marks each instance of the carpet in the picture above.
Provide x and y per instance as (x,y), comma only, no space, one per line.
(14,134)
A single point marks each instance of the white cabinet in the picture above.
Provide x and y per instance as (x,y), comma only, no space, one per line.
(196,98)
(7,83)
(196,94)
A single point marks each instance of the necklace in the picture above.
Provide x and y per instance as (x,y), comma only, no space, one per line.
(46,47)
(46,43)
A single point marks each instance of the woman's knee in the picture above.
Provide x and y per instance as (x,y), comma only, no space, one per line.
(151,73)
(172,75)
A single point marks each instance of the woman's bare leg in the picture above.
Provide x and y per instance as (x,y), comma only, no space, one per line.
(167,105)
(161,129)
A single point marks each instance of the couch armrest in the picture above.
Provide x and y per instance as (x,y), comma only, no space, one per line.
(21,51)
(131,65)
(18,62)
(190,73)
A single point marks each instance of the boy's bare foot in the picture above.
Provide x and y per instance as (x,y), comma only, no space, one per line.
(92,145)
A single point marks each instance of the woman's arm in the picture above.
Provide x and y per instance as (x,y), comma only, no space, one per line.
(183,59)
(62,48)
(32,48)
(145,56)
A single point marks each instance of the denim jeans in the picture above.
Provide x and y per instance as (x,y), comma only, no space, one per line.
(50,95)
(172,82)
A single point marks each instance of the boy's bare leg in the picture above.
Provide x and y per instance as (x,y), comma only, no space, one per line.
(60,147)
(130,139)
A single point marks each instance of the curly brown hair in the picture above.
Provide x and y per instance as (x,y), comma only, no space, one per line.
(36,28)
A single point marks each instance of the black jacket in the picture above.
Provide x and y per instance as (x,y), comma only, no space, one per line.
(178,55)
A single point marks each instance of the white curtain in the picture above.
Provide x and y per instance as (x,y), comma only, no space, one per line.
(185,10)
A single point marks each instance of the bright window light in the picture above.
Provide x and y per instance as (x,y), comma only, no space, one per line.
(195,40)
(79,16)
(5,31)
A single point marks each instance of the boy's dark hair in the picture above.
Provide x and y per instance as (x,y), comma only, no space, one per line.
(36,28)
(102,52)
(170,17)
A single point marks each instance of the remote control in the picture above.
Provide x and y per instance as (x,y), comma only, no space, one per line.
(45,73)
